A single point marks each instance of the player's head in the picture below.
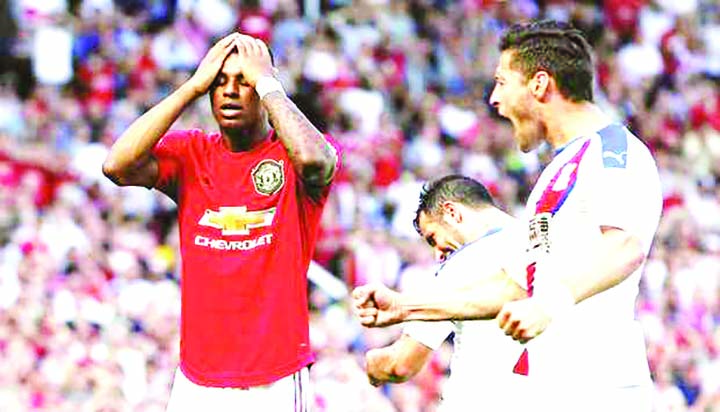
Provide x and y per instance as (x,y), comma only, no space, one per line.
(235,104)
(540,61)
(443,209)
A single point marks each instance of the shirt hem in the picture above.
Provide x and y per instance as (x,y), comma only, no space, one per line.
(244,381)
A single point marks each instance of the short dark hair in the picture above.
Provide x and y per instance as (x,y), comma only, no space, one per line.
(454,188)
(557,48)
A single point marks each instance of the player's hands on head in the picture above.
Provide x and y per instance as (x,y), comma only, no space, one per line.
(211,64)
(254,59)
(523,319)
(376,305)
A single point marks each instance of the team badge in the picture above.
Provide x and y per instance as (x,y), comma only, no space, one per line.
(268,176)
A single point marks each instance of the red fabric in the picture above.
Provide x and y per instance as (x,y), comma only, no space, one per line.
(670,61)
(522,366)
(142,73)
(706,113)
(244,311)
(257,24)
(622,15)
(392,64)
(98,75)
(13,172)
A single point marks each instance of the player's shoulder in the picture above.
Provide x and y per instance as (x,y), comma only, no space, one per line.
(185,138)
(485,249)
(618,148)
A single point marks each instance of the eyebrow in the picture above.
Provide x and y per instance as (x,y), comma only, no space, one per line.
(430,239)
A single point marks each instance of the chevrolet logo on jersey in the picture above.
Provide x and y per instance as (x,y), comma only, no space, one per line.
(237,220)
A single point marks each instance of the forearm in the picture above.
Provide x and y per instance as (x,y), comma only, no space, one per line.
(480,300)
(307,148)
(616,257)
(135,144)
(398,362)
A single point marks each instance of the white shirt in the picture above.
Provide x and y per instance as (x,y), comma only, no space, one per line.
(598,342)
(483,357)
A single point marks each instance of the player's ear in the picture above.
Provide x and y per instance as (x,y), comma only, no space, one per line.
(539,84)
(451,211)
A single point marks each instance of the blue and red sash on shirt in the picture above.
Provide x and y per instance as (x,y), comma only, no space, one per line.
(550,201)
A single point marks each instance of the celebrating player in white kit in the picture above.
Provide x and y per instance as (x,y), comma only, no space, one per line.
(458,219)
(592,216)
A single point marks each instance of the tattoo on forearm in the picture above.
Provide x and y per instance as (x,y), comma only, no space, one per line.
(307,148)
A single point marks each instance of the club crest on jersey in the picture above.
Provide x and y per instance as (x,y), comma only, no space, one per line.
(268,176)
(539,233)
(237,220)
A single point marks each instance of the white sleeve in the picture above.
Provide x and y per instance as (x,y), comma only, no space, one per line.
(514,254)
(616,197)
(430,334)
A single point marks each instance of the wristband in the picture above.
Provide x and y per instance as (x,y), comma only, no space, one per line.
(268,84)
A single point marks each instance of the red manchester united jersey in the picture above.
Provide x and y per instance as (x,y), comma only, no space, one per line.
(247,233)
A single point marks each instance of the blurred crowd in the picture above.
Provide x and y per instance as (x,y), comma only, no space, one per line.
(89,296)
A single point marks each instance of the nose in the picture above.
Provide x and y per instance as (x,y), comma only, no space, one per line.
(231,88)
(494,99)
(439,255)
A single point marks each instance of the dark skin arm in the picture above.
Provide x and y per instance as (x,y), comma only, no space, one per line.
(130,161)
(311,155)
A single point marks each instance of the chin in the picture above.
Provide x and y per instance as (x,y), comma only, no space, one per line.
(235,124)
(528,139)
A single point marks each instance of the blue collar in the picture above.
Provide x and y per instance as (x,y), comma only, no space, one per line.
(563,147)
(484,235)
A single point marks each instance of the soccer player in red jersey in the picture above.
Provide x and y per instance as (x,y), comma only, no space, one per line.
(249,203)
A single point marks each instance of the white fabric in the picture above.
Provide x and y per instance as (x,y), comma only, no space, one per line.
(483,357)
(598,342)
(52,55)
(268,84)
(634,74)
(291,393)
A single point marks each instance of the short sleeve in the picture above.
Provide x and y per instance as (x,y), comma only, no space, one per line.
(170,152)
(615,195)
(430,334)
(513,252)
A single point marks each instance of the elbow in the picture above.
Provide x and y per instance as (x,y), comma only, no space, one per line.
(112,171)
(316,171)
(634,255)
(637,258)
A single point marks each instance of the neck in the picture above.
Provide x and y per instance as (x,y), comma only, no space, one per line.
(484,221)
(565,121)
(241,140)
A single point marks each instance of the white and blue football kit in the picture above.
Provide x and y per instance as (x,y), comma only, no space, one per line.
(595,353)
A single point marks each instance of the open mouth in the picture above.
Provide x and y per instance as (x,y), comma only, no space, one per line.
(230,109)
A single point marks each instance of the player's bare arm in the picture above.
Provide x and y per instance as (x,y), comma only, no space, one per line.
(617,256)
(396,363)
(312,156)
(130,161)
(378,306)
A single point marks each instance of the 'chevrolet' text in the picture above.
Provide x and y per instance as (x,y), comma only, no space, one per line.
(222,244)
